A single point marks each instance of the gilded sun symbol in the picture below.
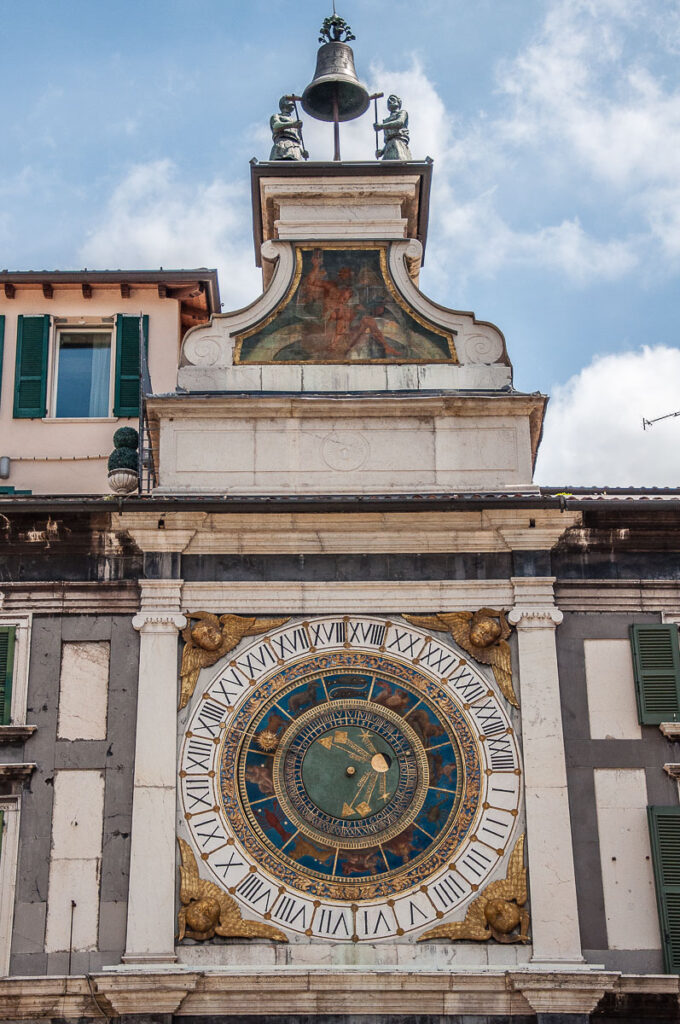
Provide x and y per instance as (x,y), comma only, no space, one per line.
(267,740)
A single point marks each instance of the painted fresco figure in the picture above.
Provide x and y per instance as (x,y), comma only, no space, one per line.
(286,133)
(395,127)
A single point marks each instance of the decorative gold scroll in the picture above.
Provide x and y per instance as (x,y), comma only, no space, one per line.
(497,913)
(207,910)
(483,634)
(210,639)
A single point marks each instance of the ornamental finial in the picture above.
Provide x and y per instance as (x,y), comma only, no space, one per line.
(335,30)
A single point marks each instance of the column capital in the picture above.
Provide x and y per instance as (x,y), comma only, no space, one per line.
(158,621)
(535,617)
(160,607)
(534,603)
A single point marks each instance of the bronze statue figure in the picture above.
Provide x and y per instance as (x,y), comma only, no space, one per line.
(287,133)
(395,127)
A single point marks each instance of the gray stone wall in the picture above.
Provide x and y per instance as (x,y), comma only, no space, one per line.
(113,756)
(583,756)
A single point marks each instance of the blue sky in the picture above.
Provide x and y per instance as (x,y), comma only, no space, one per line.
(555,129)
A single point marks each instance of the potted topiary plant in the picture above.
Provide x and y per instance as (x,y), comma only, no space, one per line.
(124,461)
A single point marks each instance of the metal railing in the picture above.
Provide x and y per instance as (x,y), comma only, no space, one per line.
(147,442)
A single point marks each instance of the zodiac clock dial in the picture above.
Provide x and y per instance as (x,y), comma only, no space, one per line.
(349,779)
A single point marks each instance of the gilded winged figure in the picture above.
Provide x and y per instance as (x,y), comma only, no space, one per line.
(483,634)
(497,913)
(207,910)
(209,639)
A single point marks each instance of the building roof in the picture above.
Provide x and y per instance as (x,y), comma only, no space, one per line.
(197,289)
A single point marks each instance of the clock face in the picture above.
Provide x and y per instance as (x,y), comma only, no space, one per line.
(349,779)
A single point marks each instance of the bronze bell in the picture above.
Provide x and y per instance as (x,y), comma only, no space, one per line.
(335,93)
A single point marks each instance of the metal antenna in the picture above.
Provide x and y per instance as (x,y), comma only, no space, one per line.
(333,8)
(668,416)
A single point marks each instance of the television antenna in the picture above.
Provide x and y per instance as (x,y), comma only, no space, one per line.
(668,416)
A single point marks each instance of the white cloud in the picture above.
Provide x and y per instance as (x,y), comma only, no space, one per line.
(585,92)
(153,219)
(593,430)
(575,113)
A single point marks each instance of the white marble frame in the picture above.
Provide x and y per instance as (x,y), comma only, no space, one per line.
(11,808)
(22,647)
(150,940)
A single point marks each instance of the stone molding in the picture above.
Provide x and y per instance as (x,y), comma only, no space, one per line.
(17,772)
(298,598)
(635,595)
(477,341)
(160,607)
(16,733)
(671,730)
(534,603)
(181,992)
(536,617)
(344,533)
(212,345)
(69,598)
(574,993)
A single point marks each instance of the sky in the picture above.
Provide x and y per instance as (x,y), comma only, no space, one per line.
(554,126)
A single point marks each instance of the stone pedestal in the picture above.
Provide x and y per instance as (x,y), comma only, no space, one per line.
(554,914)
(151,901)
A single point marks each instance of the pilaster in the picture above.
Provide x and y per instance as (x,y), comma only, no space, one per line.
(555,928)
(151,897)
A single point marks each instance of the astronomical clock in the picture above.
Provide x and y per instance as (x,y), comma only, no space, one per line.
(349,779)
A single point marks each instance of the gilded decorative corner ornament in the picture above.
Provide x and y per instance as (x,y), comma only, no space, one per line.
(207,910)
(498,913)
(209,639)
(483,634)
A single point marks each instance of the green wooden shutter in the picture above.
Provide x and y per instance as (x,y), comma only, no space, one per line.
(664,831)
(6,672)
(127,364)
(30,381)
(656,664)
(2,346)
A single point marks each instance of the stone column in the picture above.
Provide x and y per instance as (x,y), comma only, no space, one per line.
(151,923)
(554,916)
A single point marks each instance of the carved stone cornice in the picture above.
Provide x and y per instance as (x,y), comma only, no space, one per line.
(576,992)
(16,733)
(671,730)
(17,772)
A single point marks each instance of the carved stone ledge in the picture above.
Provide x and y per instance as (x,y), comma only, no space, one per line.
(672,769)
(16,733)
(17,772)
(671,730)
(576,992)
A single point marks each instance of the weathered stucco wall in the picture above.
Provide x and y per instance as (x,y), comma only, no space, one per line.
(601,853)
(110,759)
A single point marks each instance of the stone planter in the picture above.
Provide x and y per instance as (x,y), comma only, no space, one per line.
(123,481)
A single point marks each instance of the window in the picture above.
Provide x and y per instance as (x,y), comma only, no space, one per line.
(2,345)
(664,831)
(82,378)
(15,636)
(7,635)
(656,665)
(94,367)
